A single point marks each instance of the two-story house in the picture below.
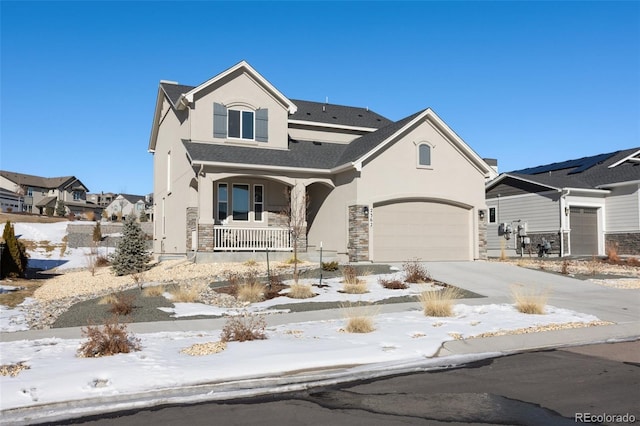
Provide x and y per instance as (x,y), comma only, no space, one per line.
(124,205)
(236,162)
(39,193)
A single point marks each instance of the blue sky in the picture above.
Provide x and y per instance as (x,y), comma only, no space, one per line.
(528,83)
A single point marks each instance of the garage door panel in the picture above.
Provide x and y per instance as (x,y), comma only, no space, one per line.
(429,231)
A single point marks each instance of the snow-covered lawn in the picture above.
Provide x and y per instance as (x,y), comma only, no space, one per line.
(54,373)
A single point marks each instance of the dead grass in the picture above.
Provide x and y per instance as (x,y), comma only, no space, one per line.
(12,370)
(300,291)
(438,303)
(29,218)
(358,287)
(612,253)
(122,304)
(107,300)
(529,300)
(187,293)
(16,297)
(251,292)
(110,339)
(153,291)
(359,318)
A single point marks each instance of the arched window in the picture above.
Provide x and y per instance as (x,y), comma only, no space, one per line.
(424,155)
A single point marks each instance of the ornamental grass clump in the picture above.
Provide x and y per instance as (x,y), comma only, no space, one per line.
(351,283)
(359,318)
(438,303)
(251,292)
(529,300)
(300,291)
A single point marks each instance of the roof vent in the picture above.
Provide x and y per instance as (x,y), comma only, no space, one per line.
(324,109)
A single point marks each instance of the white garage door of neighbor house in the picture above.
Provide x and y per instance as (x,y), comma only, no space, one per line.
(425,230)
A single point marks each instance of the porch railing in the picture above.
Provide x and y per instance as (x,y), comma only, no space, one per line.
(249,239)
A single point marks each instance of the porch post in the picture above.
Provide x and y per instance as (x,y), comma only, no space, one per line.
(205,214)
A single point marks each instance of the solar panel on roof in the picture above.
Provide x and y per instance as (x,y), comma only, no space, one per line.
(579,165)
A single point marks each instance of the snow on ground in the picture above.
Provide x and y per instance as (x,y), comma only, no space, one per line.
(399,337)
(406,336)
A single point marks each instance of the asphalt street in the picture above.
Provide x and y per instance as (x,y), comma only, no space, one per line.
(594,384)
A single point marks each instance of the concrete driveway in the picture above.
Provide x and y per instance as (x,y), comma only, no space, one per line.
(495,279)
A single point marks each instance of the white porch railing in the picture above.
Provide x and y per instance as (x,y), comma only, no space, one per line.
(248,239)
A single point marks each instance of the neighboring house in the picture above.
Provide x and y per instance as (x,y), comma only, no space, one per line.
(125,204)
(41,192)
(102,199)
(581,205)
(228,152)
(10,201)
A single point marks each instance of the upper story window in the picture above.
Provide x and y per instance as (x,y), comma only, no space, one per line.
(424,155)
(240,123)
(78,195)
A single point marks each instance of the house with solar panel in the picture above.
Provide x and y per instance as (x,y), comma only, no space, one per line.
(579,207)
(236,163)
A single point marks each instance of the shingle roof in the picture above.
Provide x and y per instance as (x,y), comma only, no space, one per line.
(36,181)
(173,91)
(337,114)
(132,198)
(301,154)
(586,172)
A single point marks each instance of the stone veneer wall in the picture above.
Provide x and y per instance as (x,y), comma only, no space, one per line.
(358,234)
(482,238)
(192,220)
(537,239)
(627,243)
(205,237)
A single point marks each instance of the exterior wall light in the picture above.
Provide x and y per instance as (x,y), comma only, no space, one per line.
(365,210)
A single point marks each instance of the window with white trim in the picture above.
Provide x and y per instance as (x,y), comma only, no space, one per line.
(223,202)
(258,202)
(424,155)
(245,123)
(240,124)
(240,202)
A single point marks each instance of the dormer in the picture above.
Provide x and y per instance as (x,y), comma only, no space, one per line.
(239,107)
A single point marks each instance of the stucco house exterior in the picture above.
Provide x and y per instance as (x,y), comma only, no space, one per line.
(235,160)
(125,204)
(582,205)
(38,192)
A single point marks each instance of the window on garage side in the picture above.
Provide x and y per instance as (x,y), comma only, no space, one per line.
(424,155)
(492,215)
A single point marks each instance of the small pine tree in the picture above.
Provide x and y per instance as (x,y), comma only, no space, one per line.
(97,233)
(131,255)
(14,256)
(60,208)
(49,211)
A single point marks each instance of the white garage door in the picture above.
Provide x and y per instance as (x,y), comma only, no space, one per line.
(424,230)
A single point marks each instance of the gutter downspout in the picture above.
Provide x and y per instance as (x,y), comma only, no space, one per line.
(197,236)
(563,219)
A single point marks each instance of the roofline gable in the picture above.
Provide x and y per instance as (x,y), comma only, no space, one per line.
(492,183)
(429,114)
(242,65)
(633,157)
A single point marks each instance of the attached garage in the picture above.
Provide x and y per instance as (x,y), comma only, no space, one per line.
(426,230)
(584,231)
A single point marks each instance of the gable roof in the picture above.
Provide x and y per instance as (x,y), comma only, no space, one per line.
(594,172)
(39,181)
(322,157)
(131,198)
(337,115)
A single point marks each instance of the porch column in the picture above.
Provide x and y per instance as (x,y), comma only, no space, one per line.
(298,208)
(205,209)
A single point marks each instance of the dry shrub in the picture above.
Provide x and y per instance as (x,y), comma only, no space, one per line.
(392,284)
(358,287)
(330,266)
(102,261)
(612,252)
(110,339)
(153,291)
(243,328)
(13,370)
(188,293)
(438,303)
(529,300)
(594,266)
(349,274)
(359,318)
(122,304)
(300,291)
(415,272)
(107,300)
(233,278)
(633,261)
(564,269)
(251,292)
(503,250)
(250,263)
